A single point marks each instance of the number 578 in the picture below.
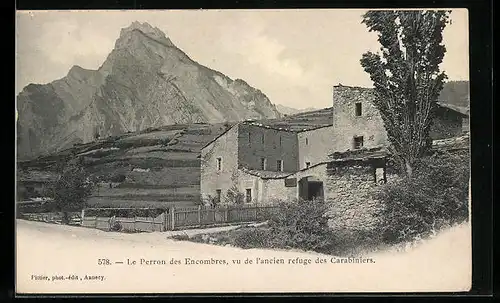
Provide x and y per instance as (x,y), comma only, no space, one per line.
(103,262)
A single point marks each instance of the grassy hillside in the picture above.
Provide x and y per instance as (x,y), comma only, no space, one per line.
(160,166)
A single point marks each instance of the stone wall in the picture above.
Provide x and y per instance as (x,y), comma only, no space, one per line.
(225,147)
(315,145)
(274,190)
(278,145)
(447,123)
(346,124)
(349,190)
(248,181)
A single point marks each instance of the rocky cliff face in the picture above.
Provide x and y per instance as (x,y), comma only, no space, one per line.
(146,81)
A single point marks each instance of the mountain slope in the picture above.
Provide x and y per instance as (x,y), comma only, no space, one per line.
(146,81)
(292,111)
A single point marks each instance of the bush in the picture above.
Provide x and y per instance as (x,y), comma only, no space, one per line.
(252,238)
(302,224)
(234,197)
(181,237)
(435,197)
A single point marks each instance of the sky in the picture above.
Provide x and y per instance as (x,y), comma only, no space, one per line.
(292,56)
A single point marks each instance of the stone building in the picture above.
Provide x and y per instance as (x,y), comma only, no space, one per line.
(249,155)
(357,122)
(339,162)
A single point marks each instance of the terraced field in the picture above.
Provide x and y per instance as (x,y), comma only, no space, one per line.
(159,167)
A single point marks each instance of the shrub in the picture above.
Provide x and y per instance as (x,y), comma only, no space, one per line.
(302,224)
(435,197)
(252,238)
(181,237)
(234,196)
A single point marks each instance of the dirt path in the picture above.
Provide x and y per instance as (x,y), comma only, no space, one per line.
(43,249)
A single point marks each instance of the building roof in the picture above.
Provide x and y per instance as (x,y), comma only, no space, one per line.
(455,143)
(461,142)
(266,174)
(359,154)
(252,123)
(263,124)
(314,128)
(220,135)
(459,109)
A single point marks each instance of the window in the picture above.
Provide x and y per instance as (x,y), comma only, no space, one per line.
(217,195)
(219,163)
(358,142)
(262,138)
(248,196)
(263,163)
(308,164)
(358,109)
(280,140)
(279,165)
(249,138)
(307,141)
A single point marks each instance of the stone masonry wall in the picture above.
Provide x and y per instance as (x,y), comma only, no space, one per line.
(349,192)
(315,145)
(278,145)
(225,147)
(346,124)
(274,190)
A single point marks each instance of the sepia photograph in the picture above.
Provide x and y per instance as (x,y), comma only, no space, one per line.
(242,151)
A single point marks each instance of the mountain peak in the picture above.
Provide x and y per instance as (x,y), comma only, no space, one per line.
(145,81)
(146,29)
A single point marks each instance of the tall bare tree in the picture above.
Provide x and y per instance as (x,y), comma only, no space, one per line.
(406,77)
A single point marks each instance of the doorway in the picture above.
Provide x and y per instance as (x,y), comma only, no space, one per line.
(311,188)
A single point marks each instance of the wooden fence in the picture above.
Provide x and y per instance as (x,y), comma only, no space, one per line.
(180,218)
(125,224)
(171,219)
(56,218)
(192,218)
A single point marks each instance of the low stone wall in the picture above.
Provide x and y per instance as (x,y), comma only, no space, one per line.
(349,191)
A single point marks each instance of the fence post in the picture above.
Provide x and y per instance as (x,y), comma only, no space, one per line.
(199,215)
(82,216)
(135,219)
(95,222)
(173,217)
(226,214)
(164,227)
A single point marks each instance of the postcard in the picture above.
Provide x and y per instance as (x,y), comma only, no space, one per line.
(242,151)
